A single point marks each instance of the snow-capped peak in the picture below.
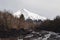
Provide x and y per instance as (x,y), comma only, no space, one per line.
(27,14)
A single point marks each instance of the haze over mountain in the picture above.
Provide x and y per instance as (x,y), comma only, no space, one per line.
(27,14)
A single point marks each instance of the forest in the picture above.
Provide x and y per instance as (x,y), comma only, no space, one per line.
(12,26)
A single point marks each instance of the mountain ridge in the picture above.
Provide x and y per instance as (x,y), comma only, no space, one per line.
(27,14)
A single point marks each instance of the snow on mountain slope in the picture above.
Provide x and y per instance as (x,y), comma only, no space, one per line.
(27,14)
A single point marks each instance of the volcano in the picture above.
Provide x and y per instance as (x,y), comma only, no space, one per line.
(28,15)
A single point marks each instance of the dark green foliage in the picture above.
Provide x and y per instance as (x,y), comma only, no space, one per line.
(22,17)
(50,25)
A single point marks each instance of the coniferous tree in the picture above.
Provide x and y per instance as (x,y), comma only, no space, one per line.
(22,17)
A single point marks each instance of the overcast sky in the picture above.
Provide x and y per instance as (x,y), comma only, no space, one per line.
(46,8)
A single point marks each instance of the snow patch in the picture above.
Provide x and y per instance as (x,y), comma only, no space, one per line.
(27,14)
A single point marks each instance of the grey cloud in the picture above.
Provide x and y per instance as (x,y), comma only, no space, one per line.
(47,8)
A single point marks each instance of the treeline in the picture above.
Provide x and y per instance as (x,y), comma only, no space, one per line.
(50,25)
(8,21)
(12,26)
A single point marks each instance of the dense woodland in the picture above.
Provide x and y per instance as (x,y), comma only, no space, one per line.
(50,25)
(13,26)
